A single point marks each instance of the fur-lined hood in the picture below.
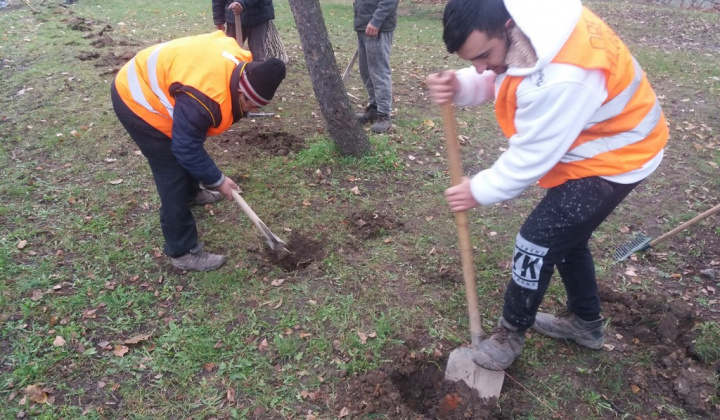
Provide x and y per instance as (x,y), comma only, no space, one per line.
(541,29)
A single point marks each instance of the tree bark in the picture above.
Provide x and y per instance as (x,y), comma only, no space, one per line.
(344,129)
(274,46)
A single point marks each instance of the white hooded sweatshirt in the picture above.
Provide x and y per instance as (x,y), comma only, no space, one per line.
(554,103)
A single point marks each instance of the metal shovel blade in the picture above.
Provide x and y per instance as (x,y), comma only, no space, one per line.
(486,382)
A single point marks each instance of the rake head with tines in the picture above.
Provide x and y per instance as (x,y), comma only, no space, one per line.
(640,242)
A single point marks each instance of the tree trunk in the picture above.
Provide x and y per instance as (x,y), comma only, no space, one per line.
(274,46)
(344,129)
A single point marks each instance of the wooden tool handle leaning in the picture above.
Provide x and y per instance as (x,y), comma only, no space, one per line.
(461,220)
(238,30)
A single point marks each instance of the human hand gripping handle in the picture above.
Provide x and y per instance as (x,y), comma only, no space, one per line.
(443,86)
(227,187)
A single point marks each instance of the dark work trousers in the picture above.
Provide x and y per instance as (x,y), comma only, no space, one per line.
(174,184)
(256,37)
(556,234)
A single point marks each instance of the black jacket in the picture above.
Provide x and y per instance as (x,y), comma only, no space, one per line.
(381,13)
(254,12)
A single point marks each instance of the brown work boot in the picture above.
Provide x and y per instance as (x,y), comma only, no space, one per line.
(198,260)
(500,350)
(370,115)
(382,125)
(569,326)
(206,197)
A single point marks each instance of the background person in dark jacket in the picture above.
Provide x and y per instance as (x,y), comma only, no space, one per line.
(254,16)
(374,23)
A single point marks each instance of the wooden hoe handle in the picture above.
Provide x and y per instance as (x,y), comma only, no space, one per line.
(461,220)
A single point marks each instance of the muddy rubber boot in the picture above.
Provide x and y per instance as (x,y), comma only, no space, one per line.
(206,197)
(198,260)
(370,115)
(382,125)
(571,327)
(501,349)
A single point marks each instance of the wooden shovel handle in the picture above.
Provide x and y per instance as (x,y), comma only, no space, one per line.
(238,30)
(461,220)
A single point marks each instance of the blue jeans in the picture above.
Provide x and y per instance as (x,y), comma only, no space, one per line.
(556,234)
(374,63)
(174,184)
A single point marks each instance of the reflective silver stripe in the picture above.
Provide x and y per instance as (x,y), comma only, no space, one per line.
(230,57)
(154,85)
(134,85)
(607,144)
(616,105)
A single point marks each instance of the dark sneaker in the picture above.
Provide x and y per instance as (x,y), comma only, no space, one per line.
(370,115)
(382,125)
(198,260)
(501,349)
(571,327)
(206,197)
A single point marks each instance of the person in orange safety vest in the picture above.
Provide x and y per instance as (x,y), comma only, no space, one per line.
(169,98)
(582,121)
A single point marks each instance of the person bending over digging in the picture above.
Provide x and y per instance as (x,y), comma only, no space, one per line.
(169,98)
(582,121)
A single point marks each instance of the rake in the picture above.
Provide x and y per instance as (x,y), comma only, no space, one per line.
(642,242)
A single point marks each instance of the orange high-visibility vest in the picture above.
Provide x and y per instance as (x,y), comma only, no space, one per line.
(202,63)
(626,132)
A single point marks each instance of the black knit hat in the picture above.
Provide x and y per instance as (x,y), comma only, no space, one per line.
(261,79)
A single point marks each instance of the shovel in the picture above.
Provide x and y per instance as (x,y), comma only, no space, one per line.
(275,243)
(460,364)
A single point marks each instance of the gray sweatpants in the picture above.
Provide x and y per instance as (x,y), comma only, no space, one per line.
(374,63)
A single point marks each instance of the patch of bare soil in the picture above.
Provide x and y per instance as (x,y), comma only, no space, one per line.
(665,330)
(369,225)
(411,387)
(303,252)
(277,143)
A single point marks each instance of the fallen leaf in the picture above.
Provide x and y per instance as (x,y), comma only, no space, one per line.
(22,244)
(306,203)
(263,347)
(355,190)
(277,282)
(230,394)
(363,337)
(429,123)
(36,295)
(104,343)
(138,338)
(428,218)
(208,367)
(116,181)
(344,412)
(58,341)
(109,160)
(120,350)
(36,394)
(634,388)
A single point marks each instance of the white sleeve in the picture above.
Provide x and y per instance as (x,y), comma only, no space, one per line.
(548,119)
(475,89)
